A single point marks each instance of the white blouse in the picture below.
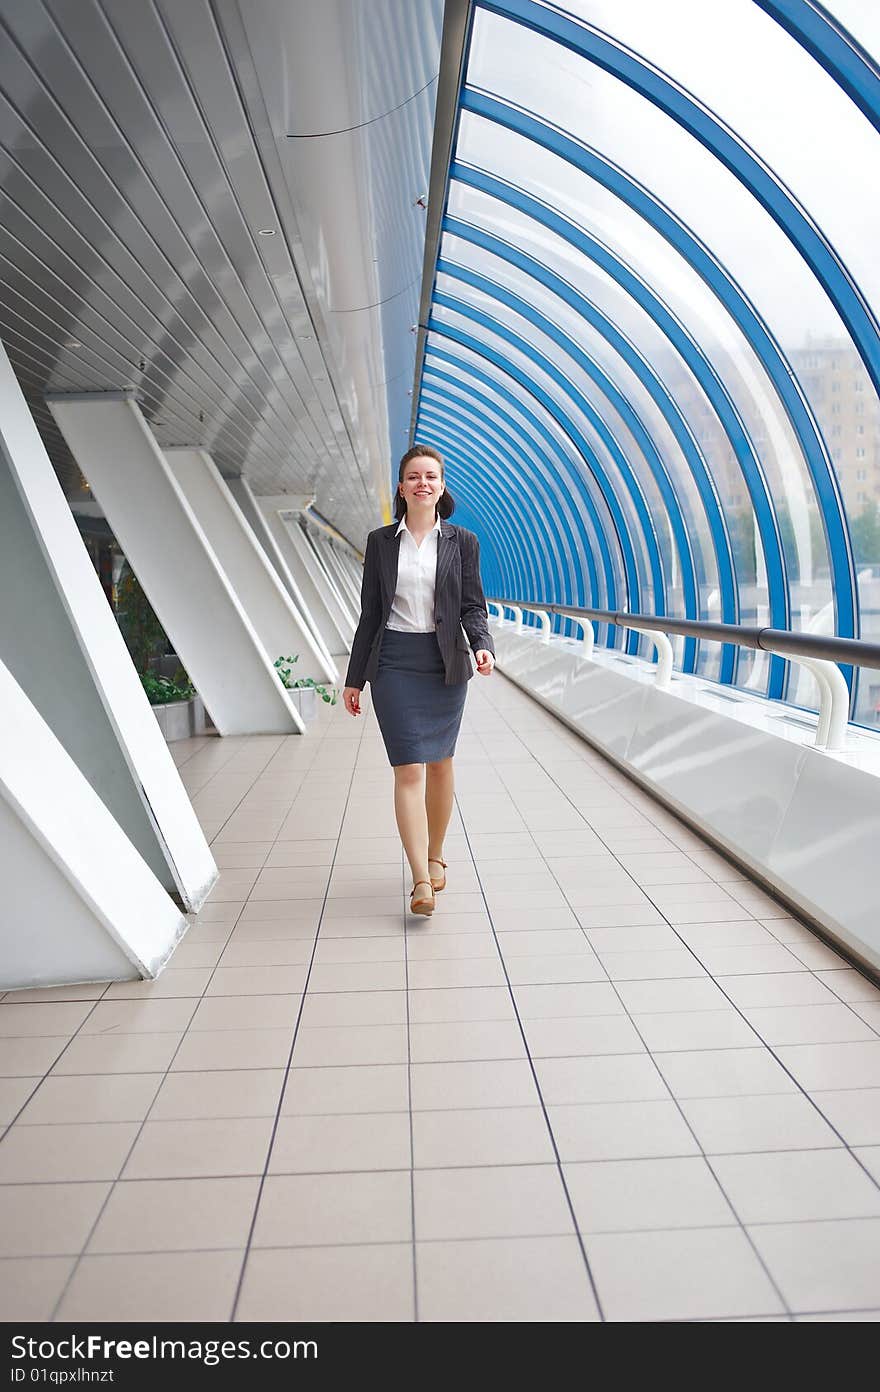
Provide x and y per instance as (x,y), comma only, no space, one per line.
(412,610)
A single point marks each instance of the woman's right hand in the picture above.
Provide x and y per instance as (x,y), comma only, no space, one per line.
(351,699)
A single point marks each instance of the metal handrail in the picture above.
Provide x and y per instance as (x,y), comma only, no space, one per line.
(819,654)
(854,651)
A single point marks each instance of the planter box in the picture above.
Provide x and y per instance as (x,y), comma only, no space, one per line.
(305,698)
(181,719)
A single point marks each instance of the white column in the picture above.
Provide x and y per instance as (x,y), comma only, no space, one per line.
(175,563)
(304,568)
(79,903)
(344,617)
(60,641)
(259,591)
(253,514)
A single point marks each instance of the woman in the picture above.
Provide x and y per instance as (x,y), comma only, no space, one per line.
(421,586)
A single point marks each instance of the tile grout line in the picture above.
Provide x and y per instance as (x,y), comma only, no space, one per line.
(763,1042)
(742,1227)
(278,1111)
(113,1183)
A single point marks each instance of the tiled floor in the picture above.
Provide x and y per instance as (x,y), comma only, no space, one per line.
(610,1079)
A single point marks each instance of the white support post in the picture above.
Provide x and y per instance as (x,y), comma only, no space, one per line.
(175,563)
(79,903)
(665,655)
(517,617)
(543,619)
(256,518)
(282,521)
(318,547)
(499,617)
(586,627)
(272,613)
(62,645)
(833,699)
(318,579)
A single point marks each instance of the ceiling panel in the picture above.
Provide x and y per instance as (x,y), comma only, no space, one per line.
(145,146)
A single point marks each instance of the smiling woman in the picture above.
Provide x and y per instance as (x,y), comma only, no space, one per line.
(422,609)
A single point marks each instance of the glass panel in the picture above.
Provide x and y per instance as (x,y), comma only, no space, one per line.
(578,96)
(569,412)
(563,314)
(545,246)
(535,425)
(748,70)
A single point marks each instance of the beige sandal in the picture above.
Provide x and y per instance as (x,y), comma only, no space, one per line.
(437,885)
(422,906)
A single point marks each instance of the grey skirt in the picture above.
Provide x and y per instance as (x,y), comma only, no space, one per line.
(418,714)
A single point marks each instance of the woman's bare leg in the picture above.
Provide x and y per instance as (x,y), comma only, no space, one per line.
(439,791)
(412,822)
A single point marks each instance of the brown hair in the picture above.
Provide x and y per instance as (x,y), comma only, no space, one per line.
(445,504)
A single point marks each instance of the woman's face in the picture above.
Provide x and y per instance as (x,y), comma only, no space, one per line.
(422,482)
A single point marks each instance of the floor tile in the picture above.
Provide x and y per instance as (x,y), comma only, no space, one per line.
(153,1286)
(362,1088)
(466,1039)
(184,1215)
(640,1195)
(596,1034)
(833,1065)
(48,1219)
(246,1012)
(609,1078)
(203,1050)
(328,1209)
(192,1148)
(19,1021)
(30,1057)
(358,1283)
(352,1008)
(485,1136)
(139,1017)
(724,1073)
(730,1124)
(797,1185)
(237,1093)
(808,1024)
(496,1083)
(673,997)
(14,1094)
(492,1201)
(702,1273)
(361,1141)
(620,1131)
(53,1154)
(30,1286)
(121,1053)
(509,1280)
(448,1005)
(350,1044)
(695,1029)
(776,989)
(823,1266)
(567,1001)
(854,1112)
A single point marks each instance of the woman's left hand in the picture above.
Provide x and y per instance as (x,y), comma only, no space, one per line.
(485,662)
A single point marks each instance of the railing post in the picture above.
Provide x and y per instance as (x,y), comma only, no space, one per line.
(517,617)
(543,618)
(494,604)
(833,700)
(663,648)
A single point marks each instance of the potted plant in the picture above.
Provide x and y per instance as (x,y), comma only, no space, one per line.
(304,691)
(176,705)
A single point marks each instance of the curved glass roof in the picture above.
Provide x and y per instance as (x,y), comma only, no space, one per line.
(653,354)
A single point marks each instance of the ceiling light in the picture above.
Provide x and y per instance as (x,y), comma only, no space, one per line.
(266,232)
(73,343)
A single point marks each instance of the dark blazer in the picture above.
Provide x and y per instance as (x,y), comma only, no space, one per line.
(459,602)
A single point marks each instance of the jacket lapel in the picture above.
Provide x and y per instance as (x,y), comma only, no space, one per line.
(446,549)
(390,558)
